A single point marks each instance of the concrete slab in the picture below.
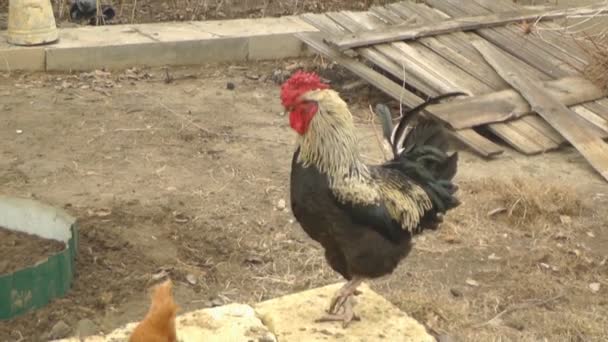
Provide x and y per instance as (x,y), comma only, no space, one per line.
(291,318)
(20,58)
(99,36)
(234,322)
(176,43)
(192,52)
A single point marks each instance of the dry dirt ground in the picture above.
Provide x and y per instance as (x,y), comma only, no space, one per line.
(18,250)
(188,179)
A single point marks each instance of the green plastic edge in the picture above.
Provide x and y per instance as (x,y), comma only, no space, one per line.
(35,286)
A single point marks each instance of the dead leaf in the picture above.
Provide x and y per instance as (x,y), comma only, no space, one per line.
(102,212)
(180,218)
(160,275)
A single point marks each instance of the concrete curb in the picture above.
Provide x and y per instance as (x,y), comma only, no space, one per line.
(289,318)
(176,43)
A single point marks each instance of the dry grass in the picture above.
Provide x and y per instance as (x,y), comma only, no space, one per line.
(533,270)
(597,68)
(524,202)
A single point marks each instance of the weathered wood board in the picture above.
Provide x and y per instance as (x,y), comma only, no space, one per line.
(404,32)
(571,126)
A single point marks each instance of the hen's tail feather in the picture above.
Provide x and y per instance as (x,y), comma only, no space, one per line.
(386,118)
(422,154)
(401,135)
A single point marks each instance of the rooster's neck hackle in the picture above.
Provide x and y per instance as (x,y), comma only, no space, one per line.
(330,144)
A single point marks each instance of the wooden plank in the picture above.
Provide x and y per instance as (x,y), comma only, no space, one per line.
(509,104)
(407,32)
(554,135)
(315,41)
(571,126)
(514,133)
(441,72)
(554,49)
(548,30)
(471,138)
(517,45)
(467,59)
(477,142)
(449,79)
(387,58)
(549,131)
(532,132)
(460,41)
(599,107)
(593,118)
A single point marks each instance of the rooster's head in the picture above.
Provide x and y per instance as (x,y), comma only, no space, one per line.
(301,109)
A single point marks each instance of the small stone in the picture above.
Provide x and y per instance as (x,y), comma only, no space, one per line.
(230,86)
(254,260)
(493,257)
(159,275)
(252,76)
(19,131)
(595,287)
(191,279)
(281,205)
(105,298)
(516,325)
(590,234)
(216,302)
(86,327)
(278,76)
(472,282)
(180,218)
(455,292)
(565,219)
(267,338)
(60,330)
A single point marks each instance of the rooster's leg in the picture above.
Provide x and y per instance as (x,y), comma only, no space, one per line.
(346,317)
(349,289)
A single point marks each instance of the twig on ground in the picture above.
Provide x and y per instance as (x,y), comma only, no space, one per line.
(133,11)
(521,306)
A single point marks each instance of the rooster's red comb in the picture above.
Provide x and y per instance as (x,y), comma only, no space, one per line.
(298,84)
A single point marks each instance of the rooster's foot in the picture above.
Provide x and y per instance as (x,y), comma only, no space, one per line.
(344,294)
(346,317)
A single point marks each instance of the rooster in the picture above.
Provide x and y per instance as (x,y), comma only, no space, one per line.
(364,216)
(159,323)
(82,10)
